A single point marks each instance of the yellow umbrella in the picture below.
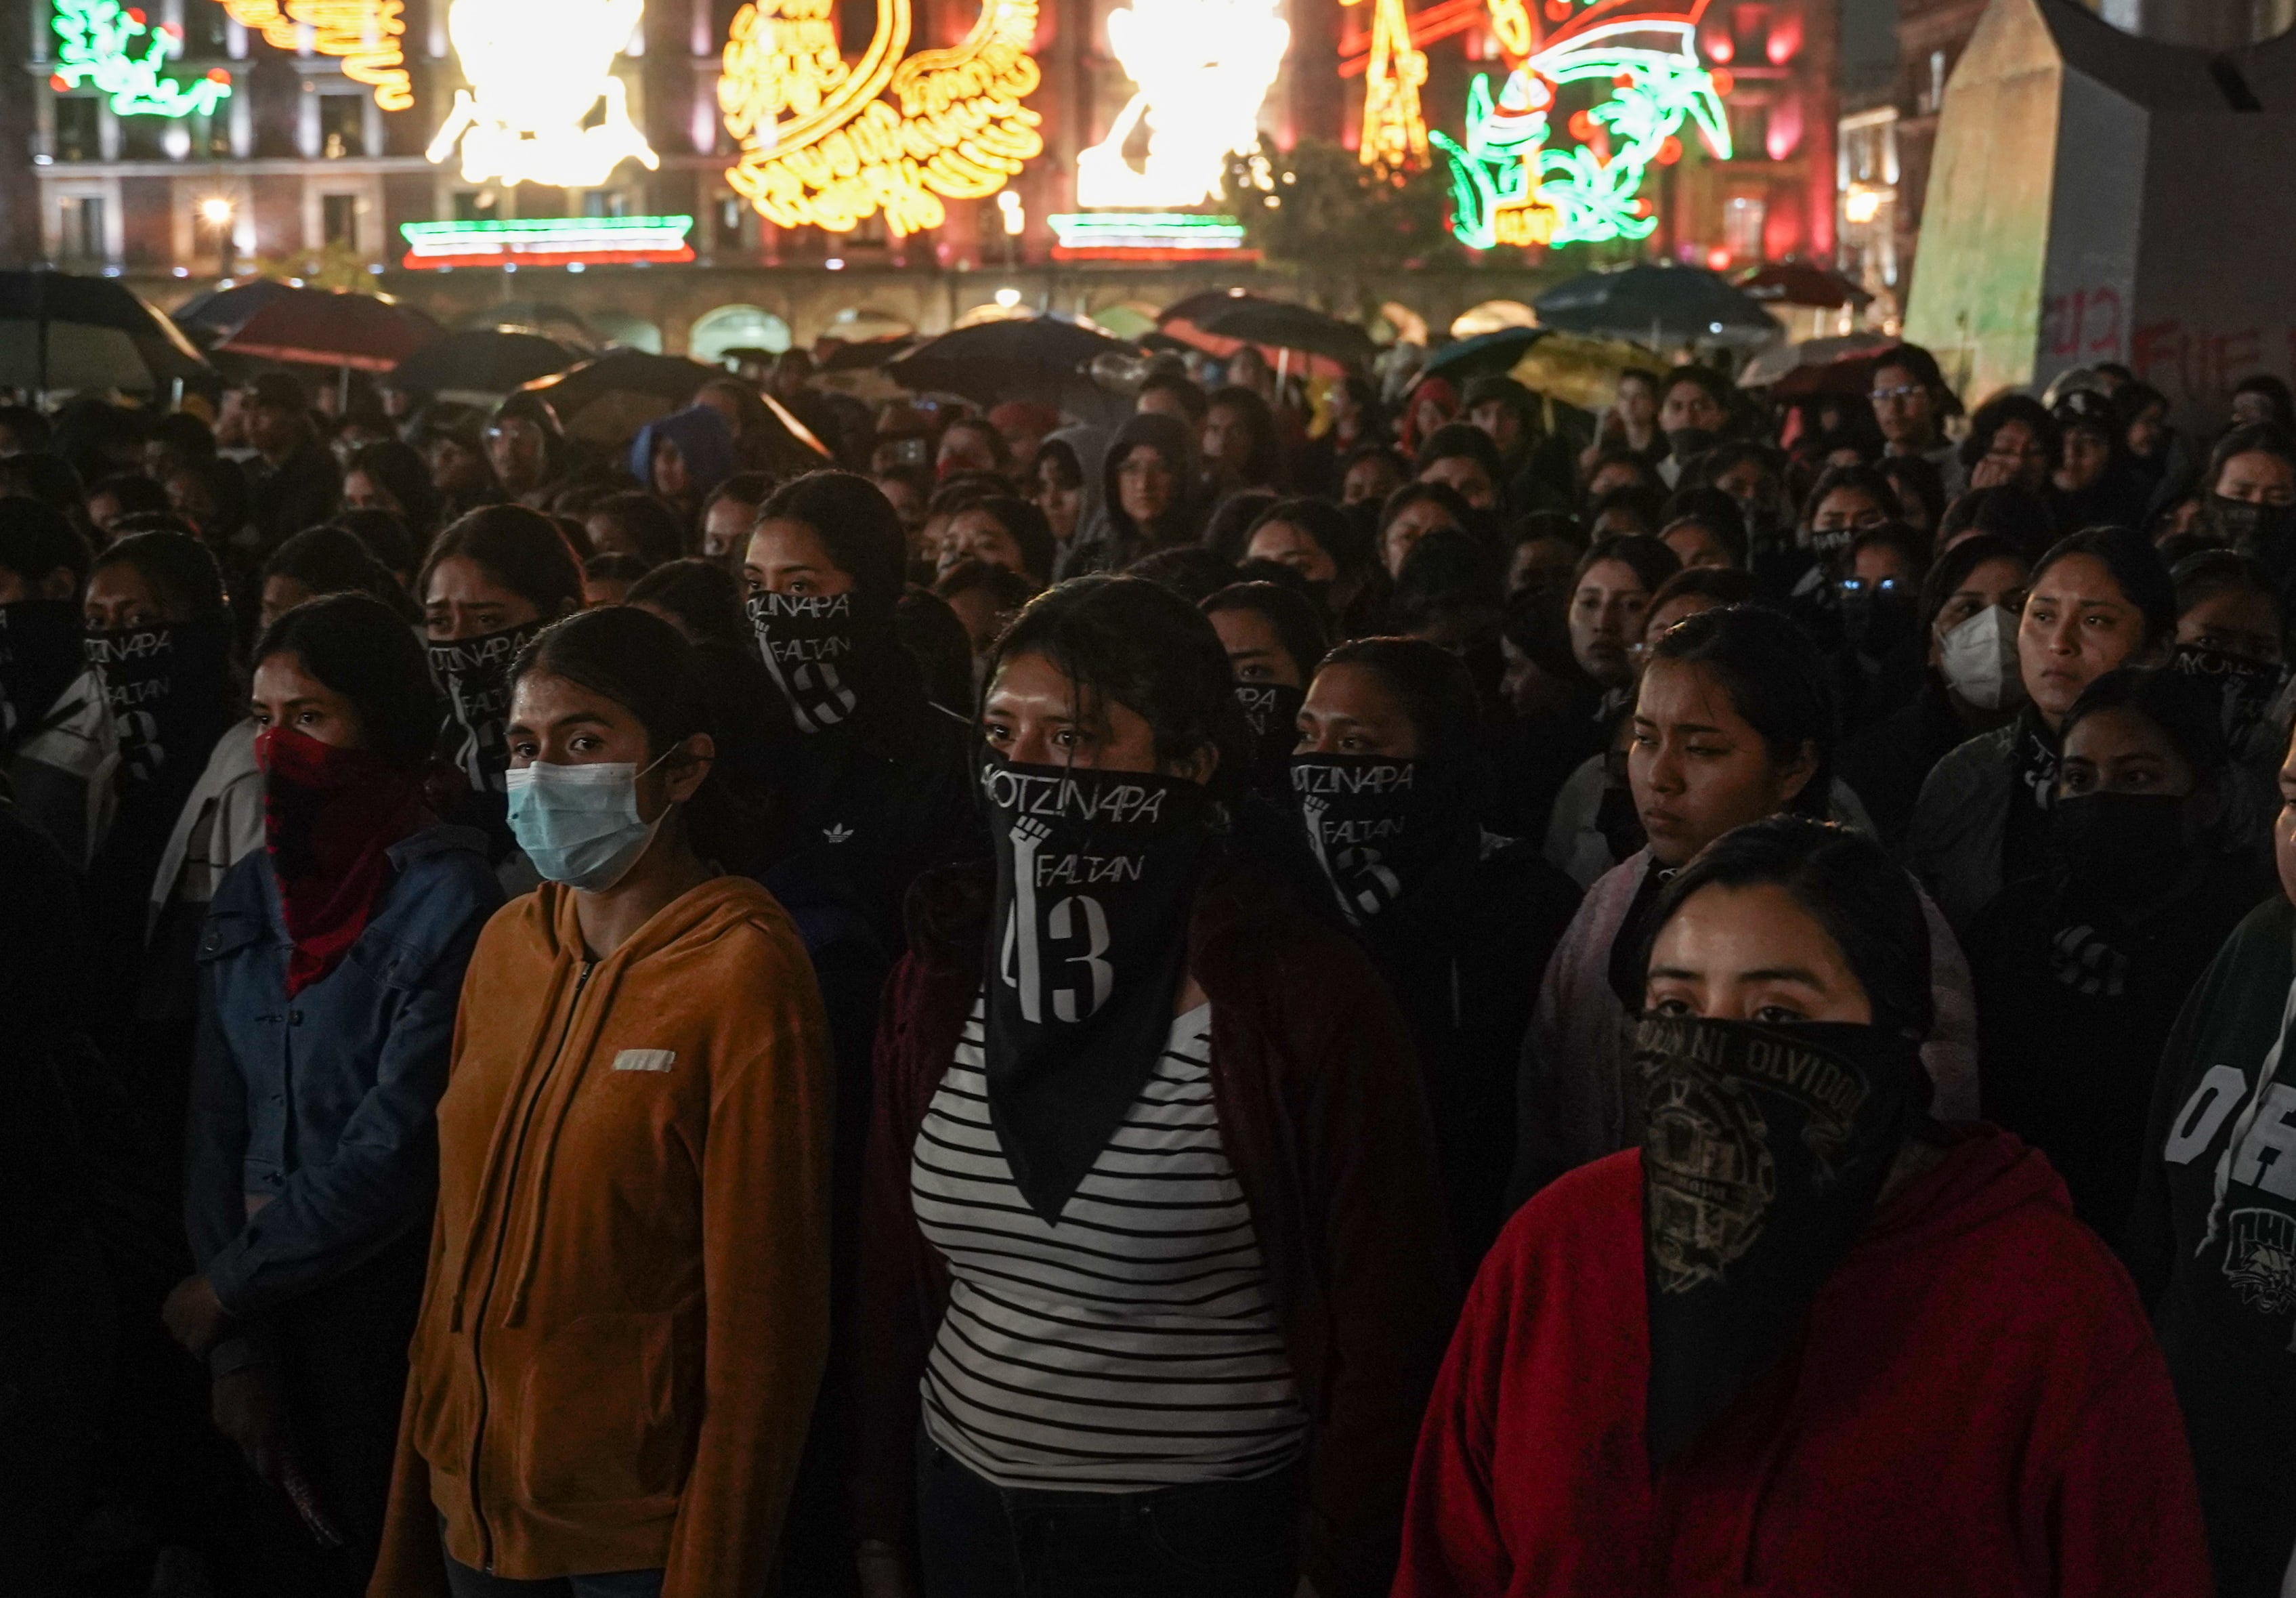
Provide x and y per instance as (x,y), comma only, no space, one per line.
(1581,371)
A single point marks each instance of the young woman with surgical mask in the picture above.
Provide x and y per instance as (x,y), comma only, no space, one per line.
(1969,604)
(1734,720)
(2082,969)
(627,1311)
(1796,1327)
(2098,600)
(1135,1111)
(328,977)
(1391,783)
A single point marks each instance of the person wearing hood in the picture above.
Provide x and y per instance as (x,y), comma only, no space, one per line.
(526,446)
(1694,412)
(2081,969)
(1800,1338)
(2092,485)
(1154,1262)
(2098,600)
(1064,479)
(1970,605)
(2251,484)
(1734,720)
(683,457)
(329,973)
(1391,782)
(875,778)
(2212,1243)
(1149,497)
(626,1314)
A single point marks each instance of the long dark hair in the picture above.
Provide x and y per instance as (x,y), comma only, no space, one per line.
(1434,686)
(856,523)
(1777,682)
(2135,566)
(1299,628)
(1145,647)
(675,689)
(180,569)
(1849,885)
(363,649)
(521,549)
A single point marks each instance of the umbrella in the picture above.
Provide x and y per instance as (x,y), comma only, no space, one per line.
(836,354)
(1333,347)
(58,332)
(1802,283)
(1660,302)
(1043,359)
(607,399)
(219,313)
(1818,358)
(532,316)
(319,327)
(1582,371)
(1483,355)
(479,367)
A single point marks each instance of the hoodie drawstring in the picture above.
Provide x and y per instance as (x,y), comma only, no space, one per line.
(2246,1118)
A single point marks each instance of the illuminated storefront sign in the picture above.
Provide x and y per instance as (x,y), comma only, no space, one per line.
(1200,69)
(1511,185)
(548,242)
(823,146)
(96,41)
(543,104)
(364,34)
(1149,235)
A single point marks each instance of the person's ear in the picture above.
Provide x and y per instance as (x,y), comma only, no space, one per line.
(1198,765)
(1796,776)
(684,772)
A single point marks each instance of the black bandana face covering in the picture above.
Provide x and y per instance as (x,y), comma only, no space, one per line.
(810,642)
(2248,689)
(474,674)
(1376,825)
(1764,1149)
(1272,711)
(1095,873)
(165,686)
(40,654)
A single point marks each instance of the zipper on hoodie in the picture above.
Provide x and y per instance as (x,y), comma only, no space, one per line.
(494,1265)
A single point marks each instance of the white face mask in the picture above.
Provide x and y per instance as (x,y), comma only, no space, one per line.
(1979,659)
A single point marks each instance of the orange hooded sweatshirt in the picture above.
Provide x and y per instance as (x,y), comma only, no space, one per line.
(628,1308)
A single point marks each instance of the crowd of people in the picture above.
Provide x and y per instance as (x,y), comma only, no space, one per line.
(1379,986)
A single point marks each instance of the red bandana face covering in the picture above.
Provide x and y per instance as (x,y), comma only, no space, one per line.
(329,816)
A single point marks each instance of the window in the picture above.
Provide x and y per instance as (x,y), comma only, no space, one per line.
(605,202)
(339,220)
(1742,227)
(144,138)
(342,126)
(1750,129)
(79,123)
(475,205)
(730,212)
(81,236)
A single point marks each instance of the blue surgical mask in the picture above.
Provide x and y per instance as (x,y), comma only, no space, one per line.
(579,824)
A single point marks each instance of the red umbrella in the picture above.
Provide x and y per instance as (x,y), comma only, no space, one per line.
(316,327)
(1802,283)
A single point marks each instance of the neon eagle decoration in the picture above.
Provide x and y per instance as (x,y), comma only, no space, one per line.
(1199,71)
(1509,187)
(364,34)
(822,147)
(95,43)
(537,73)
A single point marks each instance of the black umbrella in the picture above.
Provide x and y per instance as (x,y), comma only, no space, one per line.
(1658,304)
(1040,358)
(481,362)
(1286,326)
(58,332)
(533,317)
(608,399)
(1485,354)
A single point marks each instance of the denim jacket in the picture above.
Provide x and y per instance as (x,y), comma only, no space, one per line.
(321,1106)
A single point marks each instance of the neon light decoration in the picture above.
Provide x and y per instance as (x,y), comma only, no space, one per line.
(1509,187)
(362,34)
(95,43)
(820,145)
(1148,236)
(538,70)
(1394,132)
(1200,69)
(548,242)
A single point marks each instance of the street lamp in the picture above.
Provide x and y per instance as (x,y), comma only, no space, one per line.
(216,211)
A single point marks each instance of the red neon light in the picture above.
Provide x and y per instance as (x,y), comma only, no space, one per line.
(1117,252)
(586,257)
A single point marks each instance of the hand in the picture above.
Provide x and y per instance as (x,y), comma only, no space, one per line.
(249,1410)
(882,1573)
(196,1317)
(1990,473)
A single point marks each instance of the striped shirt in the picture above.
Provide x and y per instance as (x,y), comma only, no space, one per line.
(1135,1345)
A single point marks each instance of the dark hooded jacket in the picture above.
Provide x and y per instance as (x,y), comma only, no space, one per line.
(703,439)
(1114,540)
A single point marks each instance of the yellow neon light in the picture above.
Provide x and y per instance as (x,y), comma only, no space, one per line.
(363,33)
(1511,26)
(820,148)
(1200,70)
(539,69)
(1394,132)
